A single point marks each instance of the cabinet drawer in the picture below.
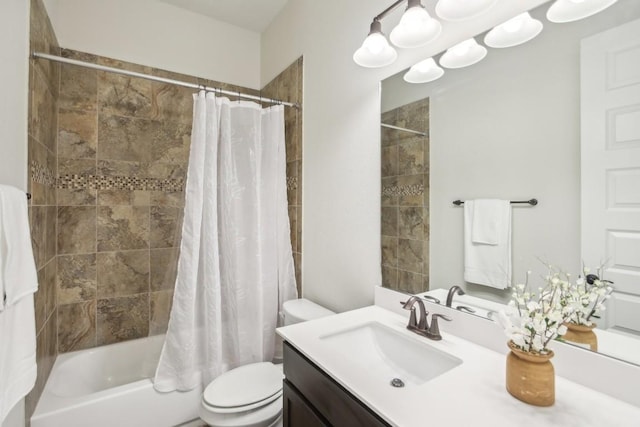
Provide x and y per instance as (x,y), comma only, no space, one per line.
(297,412)
(329,398)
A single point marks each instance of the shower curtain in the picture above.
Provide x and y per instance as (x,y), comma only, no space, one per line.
(236,266)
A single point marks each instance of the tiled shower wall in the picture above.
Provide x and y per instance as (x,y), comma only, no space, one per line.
(123,148)
(405,199)
(43,94)
(287,86)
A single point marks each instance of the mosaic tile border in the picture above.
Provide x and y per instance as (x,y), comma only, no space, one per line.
(292,183)
(404,190)
(41,174)
(101,182)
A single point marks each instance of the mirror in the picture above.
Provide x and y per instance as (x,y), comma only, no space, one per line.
(511,127)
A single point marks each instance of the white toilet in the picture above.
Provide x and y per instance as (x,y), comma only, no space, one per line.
(251,395)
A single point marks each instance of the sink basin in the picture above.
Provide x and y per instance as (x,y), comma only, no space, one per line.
(386,354)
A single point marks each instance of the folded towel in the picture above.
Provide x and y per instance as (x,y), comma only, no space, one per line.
(487,263)
(18,369)
(487,215)
(18,275)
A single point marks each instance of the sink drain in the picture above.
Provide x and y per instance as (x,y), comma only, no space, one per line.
(397,382)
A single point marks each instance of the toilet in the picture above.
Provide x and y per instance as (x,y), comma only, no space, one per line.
(251,395)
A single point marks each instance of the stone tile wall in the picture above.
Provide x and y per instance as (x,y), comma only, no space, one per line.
(43,95)
(287,86)
(123,147)
(405,199)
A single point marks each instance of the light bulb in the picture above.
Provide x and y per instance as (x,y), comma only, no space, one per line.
(415,29)
(424,71)
(375,43)
(461,49)
(514,25)
(574,10)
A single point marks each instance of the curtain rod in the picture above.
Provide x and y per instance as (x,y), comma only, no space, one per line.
(532,202)
(70,61)
(384,125)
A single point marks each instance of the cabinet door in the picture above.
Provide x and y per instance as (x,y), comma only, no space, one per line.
(297,412)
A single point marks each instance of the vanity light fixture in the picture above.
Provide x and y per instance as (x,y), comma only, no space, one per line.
(572,10)
(375,50)
(513,32)
(416,27)
(424,71)
(463,54)
(461,10)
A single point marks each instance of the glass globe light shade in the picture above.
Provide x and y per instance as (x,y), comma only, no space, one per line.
(424,72)
(463,54)
(415,29)
(513,32)
(573,10)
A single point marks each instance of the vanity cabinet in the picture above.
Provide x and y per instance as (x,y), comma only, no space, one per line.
(312,398)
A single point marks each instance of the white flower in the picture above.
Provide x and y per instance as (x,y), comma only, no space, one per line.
(562,329)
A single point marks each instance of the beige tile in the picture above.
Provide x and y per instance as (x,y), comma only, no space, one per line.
(389,189)
(164,198)
(411,222)
(412,191)
(124,197)
(123,228)
(122,273)
(159,311)
(390,161)
(164,223)
(123,95)
(390,277)
(43,123)
(38,234)
(78,88)
(76,229)
(389,251)
(410,282)
(123,318)
(293,228)
(50,233)
(126,138)
(410,255)
(77,133)
(389,221)
(50,284)
(76,326)
(121,168)
(76,278)
(164,264)
(411,157)
(171,143)
(171,103)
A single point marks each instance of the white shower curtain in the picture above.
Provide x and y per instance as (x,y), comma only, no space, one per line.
(236,265)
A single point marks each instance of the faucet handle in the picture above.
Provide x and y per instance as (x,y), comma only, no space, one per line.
(412,319)
(434,330)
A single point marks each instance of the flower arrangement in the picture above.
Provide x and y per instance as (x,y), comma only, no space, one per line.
(584,299)
(533,320)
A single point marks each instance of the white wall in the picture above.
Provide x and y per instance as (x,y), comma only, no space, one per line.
(341,136)
(14,86)
(156,34)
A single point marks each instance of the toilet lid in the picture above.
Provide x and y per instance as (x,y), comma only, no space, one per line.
(246,385)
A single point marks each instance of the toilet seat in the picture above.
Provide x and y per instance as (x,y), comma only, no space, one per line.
(250,395)
(230,391)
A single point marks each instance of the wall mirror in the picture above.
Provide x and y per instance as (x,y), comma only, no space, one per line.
(517,126)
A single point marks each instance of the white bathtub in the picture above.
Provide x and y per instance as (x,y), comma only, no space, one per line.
(110,386)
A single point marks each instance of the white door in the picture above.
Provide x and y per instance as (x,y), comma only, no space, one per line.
(610,134)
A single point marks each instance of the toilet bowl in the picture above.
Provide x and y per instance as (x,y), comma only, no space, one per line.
(251,395)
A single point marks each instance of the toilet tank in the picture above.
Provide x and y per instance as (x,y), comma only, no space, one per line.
(301,310)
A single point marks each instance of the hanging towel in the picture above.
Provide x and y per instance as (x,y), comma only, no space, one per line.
(18,281)
(487,243)
(18,276)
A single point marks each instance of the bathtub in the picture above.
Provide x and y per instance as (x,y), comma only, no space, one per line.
(110,386)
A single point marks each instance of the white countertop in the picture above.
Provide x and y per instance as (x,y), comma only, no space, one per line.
(471,394)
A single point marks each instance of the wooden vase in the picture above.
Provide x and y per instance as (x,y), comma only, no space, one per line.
(530,377)
(581,334)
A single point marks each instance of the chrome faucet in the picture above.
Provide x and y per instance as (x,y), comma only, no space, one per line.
(454,290)
(421,325)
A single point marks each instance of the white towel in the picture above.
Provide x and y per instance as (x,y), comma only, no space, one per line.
(18,275)
(18,369)
(487,215)
(18,281)
(487,250)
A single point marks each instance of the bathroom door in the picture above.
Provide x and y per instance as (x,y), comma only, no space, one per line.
(610,145)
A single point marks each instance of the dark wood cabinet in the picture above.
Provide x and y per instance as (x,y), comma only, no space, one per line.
(312,398)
